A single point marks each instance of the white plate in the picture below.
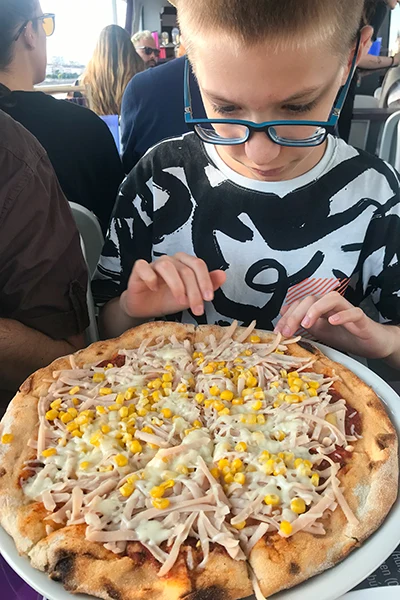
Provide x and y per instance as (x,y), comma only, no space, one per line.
(329,585)
(386,593)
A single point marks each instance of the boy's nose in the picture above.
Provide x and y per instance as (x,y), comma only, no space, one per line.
(261,150)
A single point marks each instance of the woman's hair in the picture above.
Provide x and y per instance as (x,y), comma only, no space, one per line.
(13,14)
(284,23)
(112,66)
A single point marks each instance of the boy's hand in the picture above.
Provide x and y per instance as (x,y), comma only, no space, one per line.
(334,321)
(168,285)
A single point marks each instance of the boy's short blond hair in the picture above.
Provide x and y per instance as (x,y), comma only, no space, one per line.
(283,23)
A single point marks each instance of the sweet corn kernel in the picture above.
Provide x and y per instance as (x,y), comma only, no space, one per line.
(237,464)
(227,395)
(147,429)
(167,377)
(77,433)
(292,398)
(313,384)
(84,465)
(160,503)
(283,373)
(307,463)
(255,339)
(75,401)
(82,420)
(136,447)
(293,374)
(257,405)
(228,478)
(62,442)
(98,377)
(114,407)
(49,452)
(298,506)
(106,469)
(168,484)
(123,411)
(156,396)
(120,460)
(272,500)
(223,462)
(247,392)
(215,472)
(166,385)
(105,429)
(166,412)
(239,478)
(182,469)
(56,404)
(74,390)
(312,393)
(7,438)
(101,410)
(223,412)
(259,395)
(105,391)
(274,384)
(96,438)
(66,418)
(71,426)
(218,405)
(315,479)
(214,390)
(142,412)
(208,369)
(295,389)
(248,353)
(128,394)
(241,447)
(261,420)
(279,436)
(51,415)
(251,419)
(126,490)
(251,382)
(198,424)
(239,526)
(237,401)
(157,491)
(269,466)
(286,528)
(199,398)
(265,455)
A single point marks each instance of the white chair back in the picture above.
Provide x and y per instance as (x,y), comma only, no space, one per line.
(92,331)
(90,230)
(390,142)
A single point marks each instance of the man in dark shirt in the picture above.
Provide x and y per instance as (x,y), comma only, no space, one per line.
(78,143)
(153,110)
(43,276)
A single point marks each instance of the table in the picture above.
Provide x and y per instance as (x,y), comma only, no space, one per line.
(14,588)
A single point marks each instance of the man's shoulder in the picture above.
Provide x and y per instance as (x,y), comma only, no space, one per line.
(157,76)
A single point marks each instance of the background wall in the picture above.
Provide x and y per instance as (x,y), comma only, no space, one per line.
(152,10)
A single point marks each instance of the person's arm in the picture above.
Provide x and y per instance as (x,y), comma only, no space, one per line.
(370,62)
(23,350)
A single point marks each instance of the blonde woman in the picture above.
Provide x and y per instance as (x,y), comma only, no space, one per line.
(112,66)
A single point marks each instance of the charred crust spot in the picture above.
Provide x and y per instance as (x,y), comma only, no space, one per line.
(383,440)
(294,568)
(370,404)
(26,387)
(89,555)
(2,472)
(213,592)
(64,566)
(112,591)
(307,346)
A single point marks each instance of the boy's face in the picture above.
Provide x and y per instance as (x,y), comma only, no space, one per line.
(258,85)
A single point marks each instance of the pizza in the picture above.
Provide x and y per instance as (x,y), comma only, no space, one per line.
(183,463)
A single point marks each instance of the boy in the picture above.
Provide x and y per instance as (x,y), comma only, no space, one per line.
(262,220)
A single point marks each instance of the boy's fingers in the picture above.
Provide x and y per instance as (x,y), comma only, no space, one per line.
(351,315)
(143,271)
(290,322)
(167,270)
(193,292)
(322,306)
(200,270)
(218,278)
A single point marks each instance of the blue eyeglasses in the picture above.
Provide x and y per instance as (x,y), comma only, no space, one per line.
(232,132)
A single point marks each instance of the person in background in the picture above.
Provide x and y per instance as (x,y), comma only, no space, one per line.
(261,213)
(78,143)
(113,64)
(43,276)
(374,14)
(145,120)
(146,47)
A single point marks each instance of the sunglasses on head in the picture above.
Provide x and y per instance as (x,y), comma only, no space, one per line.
(149,51)
(48,23)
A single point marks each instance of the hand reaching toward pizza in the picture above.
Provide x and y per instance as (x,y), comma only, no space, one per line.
(334,321)
(168,285)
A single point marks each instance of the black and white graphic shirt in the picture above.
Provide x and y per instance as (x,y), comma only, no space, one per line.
(335,228)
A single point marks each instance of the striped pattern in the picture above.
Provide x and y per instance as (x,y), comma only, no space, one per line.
(315,286)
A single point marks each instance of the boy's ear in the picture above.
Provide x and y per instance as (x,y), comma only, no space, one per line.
(366,34)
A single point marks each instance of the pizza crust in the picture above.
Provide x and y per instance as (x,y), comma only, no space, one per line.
(369,483)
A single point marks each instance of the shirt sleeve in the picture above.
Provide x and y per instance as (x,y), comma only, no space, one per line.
(129,236)
(129,117)
(43,275)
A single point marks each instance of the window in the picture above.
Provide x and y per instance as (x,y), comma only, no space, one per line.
(78,25)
